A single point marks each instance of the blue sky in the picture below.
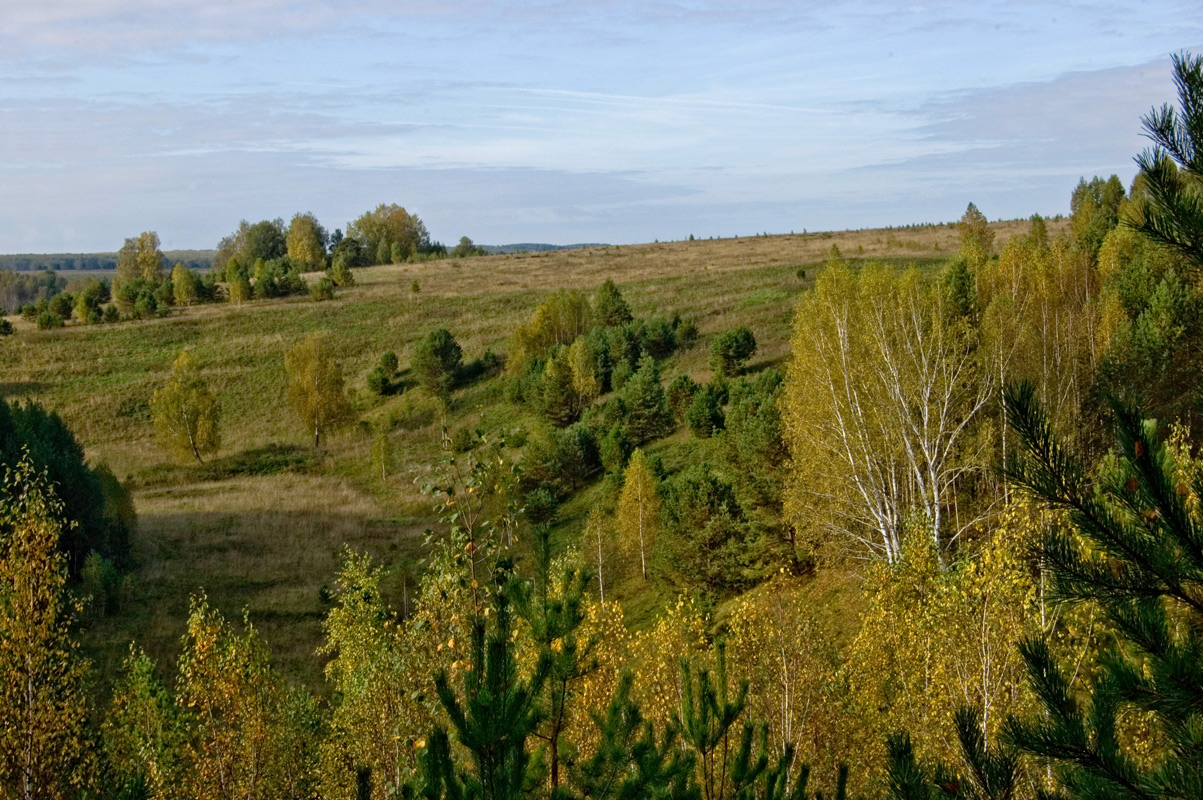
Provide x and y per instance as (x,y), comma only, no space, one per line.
(610,121)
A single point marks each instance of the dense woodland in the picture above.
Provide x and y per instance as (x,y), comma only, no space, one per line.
(945,543)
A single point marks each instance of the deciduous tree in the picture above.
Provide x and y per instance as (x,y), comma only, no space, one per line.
(638,511)
(43,704)
(186,412)
(315,386)
(306,243)
(139,257)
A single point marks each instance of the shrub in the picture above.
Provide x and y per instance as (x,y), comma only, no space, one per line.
(378,383)
(111,313)
(388,363)
(340,272)
(48,320)
(322,289)
(6,328)
(686,331)
(464,440)
(731,349)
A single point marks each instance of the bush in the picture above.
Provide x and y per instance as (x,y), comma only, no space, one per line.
(111,313)
(340,272)
(686,331)
(464,440)
(731,349)
(6,328)
(389,363)
(48,320)
(322,289)
(378,383)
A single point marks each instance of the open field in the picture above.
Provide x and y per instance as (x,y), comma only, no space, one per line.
(262,526)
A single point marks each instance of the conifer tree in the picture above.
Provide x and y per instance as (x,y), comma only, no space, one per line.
(555,614)
(648,414)
(43,706)
(494,720)
(1171,211)
(1134,550)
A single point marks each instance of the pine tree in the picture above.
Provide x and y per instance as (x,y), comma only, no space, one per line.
(1134,550)
(648,414)
(494,720)
(555,614)
(1171,211)
(43,705)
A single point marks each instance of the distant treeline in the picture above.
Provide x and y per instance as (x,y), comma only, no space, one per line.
(531,247)
(34,262)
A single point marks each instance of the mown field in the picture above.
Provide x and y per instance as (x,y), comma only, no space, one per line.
(262,526)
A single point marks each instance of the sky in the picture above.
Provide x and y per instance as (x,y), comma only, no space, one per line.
(610,121)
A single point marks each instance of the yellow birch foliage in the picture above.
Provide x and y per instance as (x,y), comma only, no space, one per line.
(883,390)
(383,671)
(790,663)
(1040,322)
(249,738)
(656,659)
(934,638)
(186,412)
(560,319)
(43,706)
(638,512)
(315,386)
(584,382)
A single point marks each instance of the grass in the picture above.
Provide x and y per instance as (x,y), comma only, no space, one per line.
(261,526)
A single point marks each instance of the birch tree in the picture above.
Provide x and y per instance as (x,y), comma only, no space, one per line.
(43,704)
(638,510)
(315,386)
(186,412)
(882,392)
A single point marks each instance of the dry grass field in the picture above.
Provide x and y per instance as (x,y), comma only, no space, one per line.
(261,527)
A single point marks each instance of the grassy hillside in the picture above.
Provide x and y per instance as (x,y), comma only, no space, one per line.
(261,527)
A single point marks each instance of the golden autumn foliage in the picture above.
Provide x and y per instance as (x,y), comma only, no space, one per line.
(638,512)
(43,706)
(186,412)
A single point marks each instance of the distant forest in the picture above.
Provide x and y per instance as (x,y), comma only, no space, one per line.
(34,262)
